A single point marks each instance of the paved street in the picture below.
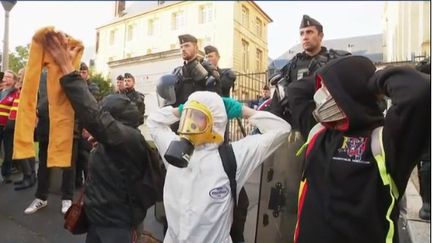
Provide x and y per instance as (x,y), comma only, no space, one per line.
(46,225)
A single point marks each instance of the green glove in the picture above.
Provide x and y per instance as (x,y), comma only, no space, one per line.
(180,108)
(232,107)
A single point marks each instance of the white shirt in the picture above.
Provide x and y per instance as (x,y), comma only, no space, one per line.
(197,199)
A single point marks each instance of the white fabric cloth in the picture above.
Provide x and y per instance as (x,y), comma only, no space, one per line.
(197,199)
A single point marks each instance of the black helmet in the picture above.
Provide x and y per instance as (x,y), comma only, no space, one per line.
(166,88)
(122,109)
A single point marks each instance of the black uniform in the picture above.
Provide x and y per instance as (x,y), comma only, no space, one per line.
(300,66)
(137,98)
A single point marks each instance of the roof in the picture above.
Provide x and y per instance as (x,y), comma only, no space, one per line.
(370,46)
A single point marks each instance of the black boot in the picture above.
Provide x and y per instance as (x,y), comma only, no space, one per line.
(29,174)
(20,182)
(28,182)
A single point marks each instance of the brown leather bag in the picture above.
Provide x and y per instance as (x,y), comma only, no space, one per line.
(75,217)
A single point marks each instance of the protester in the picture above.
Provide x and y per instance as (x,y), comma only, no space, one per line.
(43,174)
(7,97)
(354,170)
(265,95)
(119,156)
(27,165)
(197,198)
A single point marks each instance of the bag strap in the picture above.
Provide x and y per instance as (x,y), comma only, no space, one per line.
(230,166)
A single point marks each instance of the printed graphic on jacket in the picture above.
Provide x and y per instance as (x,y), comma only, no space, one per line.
(352,150)
(219,192)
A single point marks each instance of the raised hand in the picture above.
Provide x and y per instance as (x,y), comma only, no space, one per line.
(57,45)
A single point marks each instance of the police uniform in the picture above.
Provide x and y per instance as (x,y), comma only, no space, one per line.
(188,83)
(302,66)
(226,76)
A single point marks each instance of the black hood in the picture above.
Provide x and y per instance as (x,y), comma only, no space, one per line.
(122,109)
(346,78)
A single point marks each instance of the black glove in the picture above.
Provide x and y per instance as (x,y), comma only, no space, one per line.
(211,69)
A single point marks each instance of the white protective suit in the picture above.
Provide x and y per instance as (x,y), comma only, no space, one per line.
(197,199)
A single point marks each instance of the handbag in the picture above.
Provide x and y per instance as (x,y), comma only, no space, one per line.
(75,217)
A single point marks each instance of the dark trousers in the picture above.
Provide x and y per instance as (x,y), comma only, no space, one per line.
(82,159)
(97,234)
(7,137)
(424,174)
(68,179)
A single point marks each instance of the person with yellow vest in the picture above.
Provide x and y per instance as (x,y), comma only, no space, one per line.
(7,97)
(27,165)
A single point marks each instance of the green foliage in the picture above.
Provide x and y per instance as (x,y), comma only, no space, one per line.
(19,58)
(105,86)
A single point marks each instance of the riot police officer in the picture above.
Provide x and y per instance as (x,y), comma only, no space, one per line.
(303,64)
(227,76)
(134,95)
(194,75)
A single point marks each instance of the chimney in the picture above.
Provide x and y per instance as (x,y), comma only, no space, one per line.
(119,8)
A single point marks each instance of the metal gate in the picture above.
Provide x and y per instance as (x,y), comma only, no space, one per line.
(247,89)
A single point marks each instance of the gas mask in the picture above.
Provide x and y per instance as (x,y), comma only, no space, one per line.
(326,108)
(196,128)
(197,71)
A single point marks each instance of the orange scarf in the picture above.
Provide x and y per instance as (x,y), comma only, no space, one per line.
(61,114)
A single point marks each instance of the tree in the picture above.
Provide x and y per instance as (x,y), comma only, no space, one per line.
(19,58)
(104,84)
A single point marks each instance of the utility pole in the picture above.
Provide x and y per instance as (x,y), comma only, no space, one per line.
(7,6)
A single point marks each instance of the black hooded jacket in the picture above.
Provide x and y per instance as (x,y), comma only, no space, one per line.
(119,143)
(343,198)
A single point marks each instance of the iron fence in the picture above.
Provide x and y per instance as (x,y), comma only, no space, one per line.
(247,89)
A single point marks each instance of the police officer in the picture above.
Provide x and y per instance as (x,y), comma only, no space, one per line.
(305,63)
(193,75)
(227,76)
(135,96)
(226,82)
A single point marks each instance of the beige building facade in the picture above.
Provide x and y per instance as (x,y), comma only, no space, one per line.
(237,28)
(406,30)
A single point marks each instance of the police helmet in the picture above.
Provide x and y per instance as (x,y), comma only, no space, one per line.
(165,89)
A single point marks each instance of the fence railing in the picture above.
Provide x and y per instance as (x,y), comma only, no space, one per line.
(247,89)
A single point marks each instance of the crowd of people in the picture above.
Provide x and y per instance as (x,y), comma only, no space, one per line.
(356,166)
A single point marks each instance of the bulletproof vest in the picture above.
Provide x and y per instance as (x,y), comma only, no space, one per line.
(303,65)
(187,84)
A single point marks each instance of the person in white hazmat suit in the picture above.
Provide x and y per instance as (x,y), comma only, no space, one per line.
(197,196)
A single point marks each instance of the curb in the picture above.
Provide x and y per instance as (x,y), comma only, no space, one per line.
(418,230)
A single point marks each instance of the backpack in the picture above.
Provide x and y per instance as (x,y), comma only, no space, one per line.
(146,190)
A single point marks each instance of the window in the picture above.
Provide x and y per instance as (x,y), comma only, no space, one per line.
(177,20)
(152,26)
(173,46)
(205,14)
(245,55)
(259,59)
(112,37)
(258,25)
(129,55)
(130,30)
(245,16)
